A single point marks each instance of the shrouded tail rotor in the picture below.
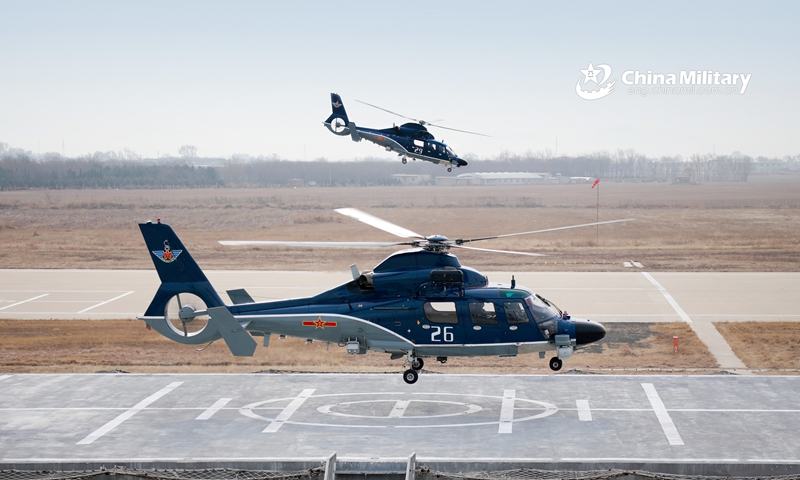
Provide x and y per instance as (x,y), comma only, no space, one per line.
(186,314)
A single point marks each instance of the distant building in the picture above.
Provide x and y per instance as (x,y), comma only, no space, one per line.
(296,182)
(501,178)
(412,179)
(768,166)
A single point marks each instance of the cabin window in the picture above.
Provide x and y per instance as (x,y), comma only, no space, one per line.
(419,143)
(482,313)
(515,313)
(432,146)
(440,312)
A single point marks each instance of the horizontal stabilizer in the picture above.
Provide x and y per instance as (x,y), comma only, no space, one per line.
(236,337)
(240,296)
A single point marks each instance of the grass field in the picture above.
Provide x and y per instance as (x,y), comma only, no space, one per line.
(124,345)
(751,226)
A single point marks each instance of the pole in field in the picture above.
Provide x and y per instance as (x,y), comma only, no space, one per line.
(597,209)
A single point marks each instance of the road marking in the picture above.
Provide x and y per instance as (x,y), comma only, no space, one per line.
(24,301)
(213,409)
(664,419)
(287,412)
(399,409)
(507,412)
(128,414)
(103,303)
(669,298)
(584,413)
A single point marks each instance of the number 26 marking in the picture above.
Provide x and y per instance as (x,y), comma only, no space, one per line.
(437,331)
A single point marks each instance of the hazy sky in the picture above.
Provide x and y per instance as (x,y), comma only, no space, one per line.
(255,77)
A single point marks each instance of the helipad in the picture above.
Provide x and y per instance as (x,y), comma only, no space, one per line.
(554,419)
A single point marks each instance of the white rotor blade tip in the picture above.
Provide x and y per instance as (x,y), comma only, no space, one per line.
(379,223)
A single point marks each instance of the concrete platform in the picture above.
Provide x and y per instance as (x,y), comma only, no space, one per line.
(688,423)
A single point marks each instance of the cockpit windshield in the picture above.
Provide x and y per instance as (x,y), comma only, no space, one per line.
(545,313)
(450,152)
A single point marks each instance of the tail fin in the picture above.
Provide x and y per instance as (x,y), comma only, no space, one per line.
(337,123)
(176,268)
(180,275)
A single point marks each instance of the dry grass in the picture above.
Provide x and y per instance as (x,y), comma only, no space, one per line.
(721,227)
(65,346)
(764,345)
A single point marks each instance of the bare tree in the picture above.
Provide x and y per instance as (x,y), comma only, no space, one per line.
(188,151)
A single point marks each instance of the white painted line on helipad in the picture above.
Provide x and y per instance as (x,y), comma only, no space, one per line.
(128,414)
(399,409)
(287,412)
(584,412)
(664,419)
(107,301)
(669,298)
(3,377)
(213,409)
(24,301)
(507,412)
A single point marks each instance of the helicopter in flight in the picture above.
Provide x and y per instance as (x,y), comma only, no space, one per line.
(417,303)
(409,140)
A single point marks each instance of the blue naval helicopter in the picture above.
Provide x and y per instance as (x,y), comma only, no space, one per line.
(418,303)
(409,140)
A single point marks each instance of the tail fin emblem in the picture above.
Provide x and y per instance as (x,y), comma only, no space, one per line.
(168,255)
(337,104)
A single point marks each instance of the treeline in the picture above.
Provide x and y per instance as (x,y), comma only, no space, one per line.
(21,170)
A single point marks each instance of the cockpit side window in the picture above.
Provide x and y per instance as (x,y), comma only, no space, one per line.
(515,313)
(482,313)
(440,312)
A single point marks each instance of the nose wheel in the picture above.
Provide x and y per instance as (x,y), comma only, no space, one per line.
(405,161)
(556,364)
(449,169)
(410,376)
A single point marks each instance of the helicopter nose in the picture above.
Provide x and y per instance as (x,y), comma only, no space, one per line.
(461,163)
(587,331)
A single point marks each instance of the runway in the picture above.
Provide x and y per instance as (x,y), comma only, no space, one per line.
(605,297)
(616,421)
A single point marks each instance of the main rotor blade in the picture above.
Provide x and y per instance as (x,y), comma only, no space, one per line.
(267,243)
(500,251)
(388,111)
(379,223)
(457,130)
(466,240)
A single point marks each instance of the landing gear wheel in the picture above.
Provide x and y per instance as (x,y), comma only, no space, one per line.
(417,364)
(555,364)
(449,169)
(405,161)
(410,376)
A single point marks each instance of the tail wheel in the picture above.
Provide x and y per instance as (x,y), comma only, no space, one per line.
(410,376)
(186,314)
(555,364)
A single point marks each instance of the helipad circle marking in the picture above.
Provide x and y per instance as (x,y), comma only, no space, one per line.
(470,408)
(247,410)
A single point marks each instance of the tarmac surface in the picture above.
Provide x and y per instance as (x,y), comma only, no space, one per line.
(540,418)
